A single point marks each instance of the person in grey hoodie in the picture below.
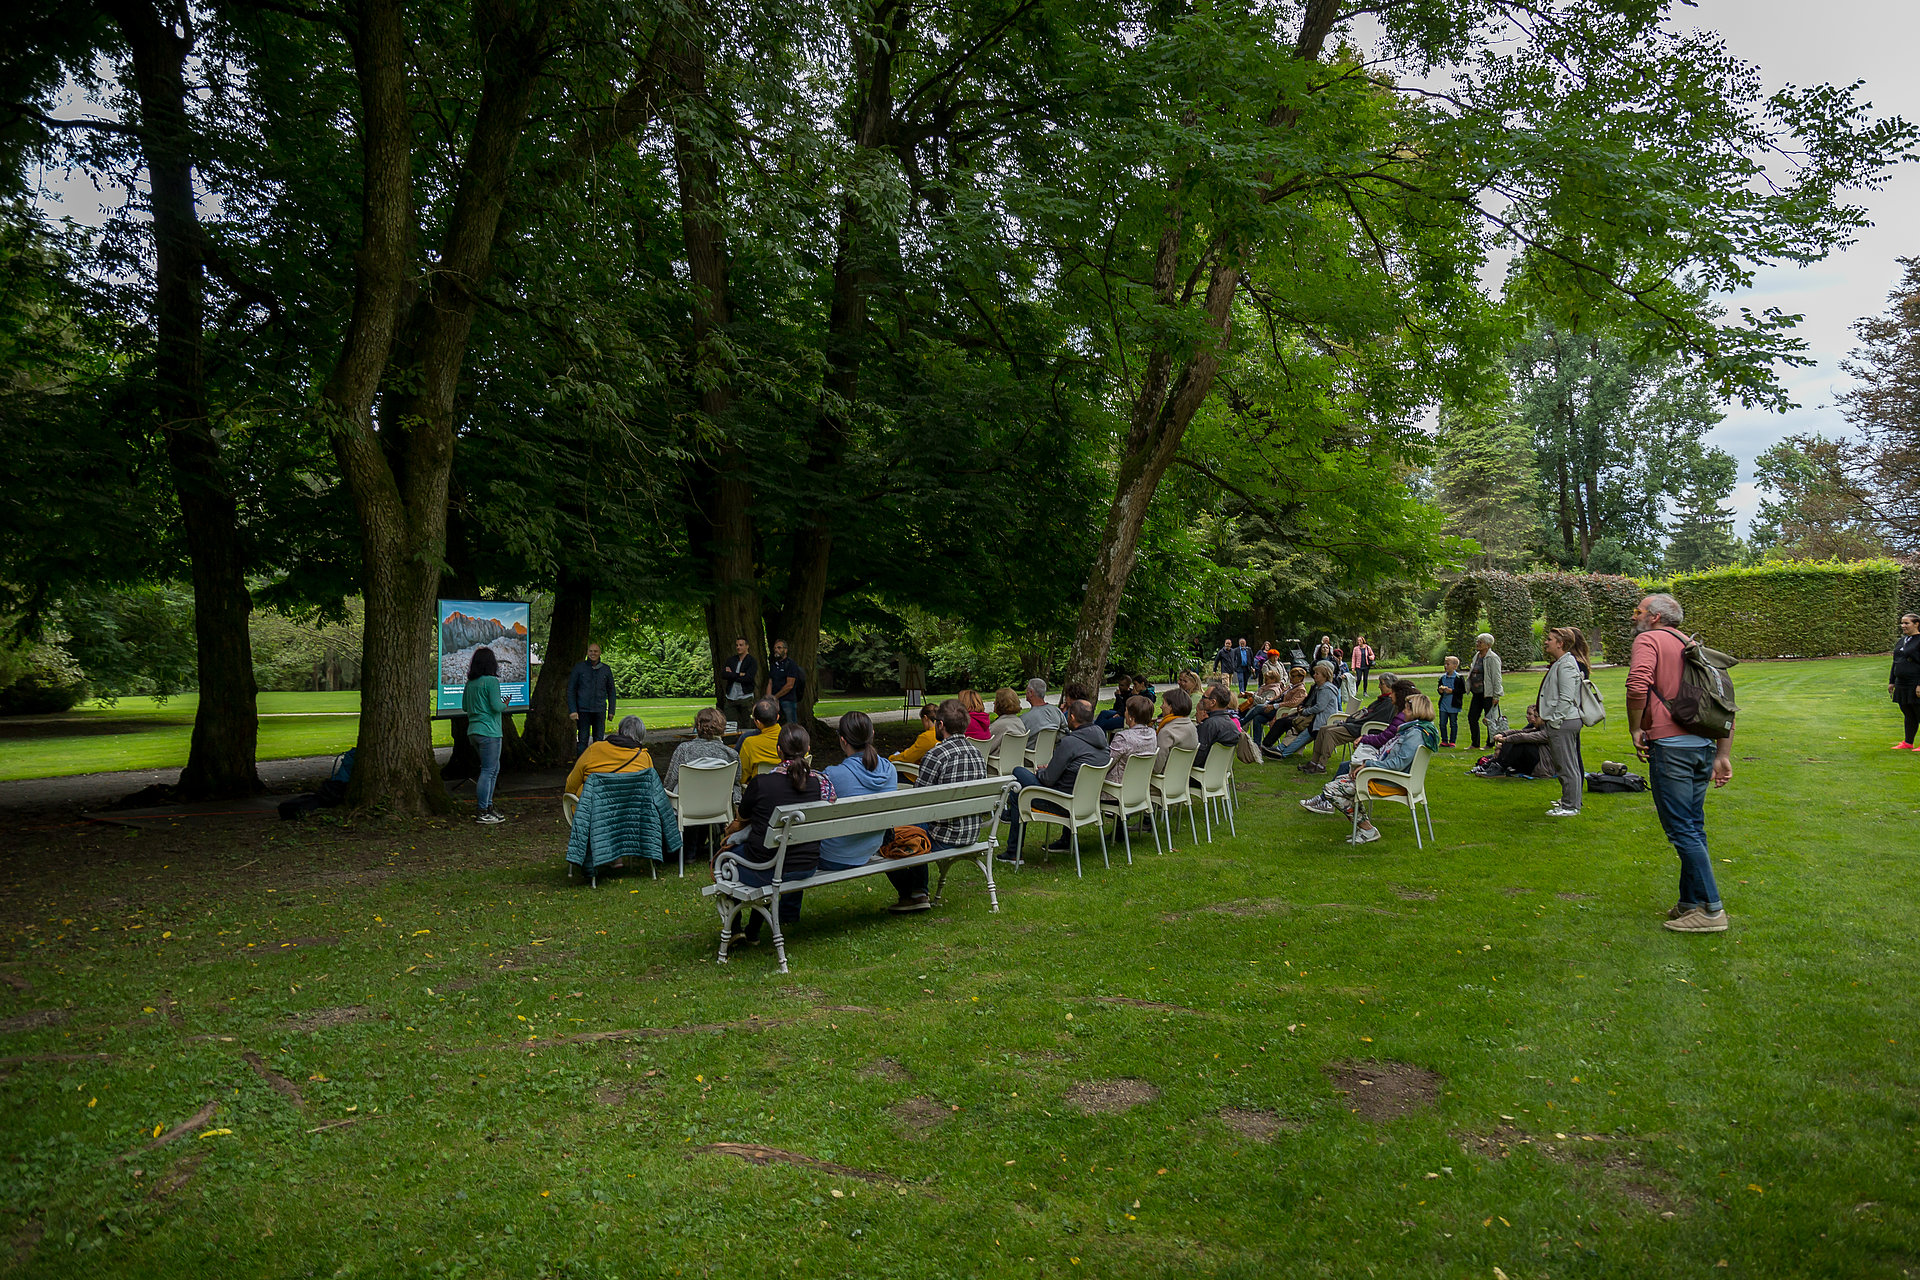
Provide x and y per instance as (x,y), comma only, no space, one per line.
(1560,691)
(1084,742)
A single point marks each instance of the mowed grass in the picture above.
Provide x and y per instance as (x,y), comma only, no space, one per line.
(141,733)
(502,1074)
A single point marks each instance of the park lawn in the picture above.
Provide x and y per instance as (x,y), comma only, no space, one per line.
(141,733)
(1608,1099)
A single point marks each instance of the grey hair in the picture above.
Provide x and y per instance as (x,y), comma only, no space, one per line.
(1037,687)
(1323,665)
(632,727)
(1666,609)
(1485,638)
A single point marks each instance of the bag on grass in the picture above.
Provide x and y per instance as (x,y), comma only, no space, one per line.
(1609,784)
(1246,750)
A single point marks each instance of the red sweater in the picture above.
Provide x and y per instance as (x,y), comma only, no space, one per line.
(1658,657)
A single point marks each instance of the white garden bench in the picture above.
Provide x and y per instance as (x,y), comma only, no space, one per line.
(860,815)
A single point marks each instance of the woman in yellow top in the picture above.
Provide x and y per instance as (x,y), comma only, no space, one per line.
(623,752)
(923,743)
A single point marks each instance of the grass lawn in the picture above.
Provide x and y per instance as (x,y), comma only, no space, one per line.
(425,1053)
(139,733)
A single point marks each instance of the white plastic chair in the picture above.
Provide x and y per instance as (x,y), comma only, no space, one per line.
(1009,753)
(1345,749)
(1040,747)
(1132,794)
(1082,807)
(1413,778)
(1216,783)
(1175,787)
(705,798)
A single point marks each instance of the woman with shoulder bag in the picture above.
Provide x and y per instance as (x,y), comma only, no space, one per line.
(1903,681)
(1484,686)
(1560,693)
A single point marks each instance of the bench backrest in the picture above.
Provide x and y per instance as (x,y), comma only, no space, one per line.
(909,806)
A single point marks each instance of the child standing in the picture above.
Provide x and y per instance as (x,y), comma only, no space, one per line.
(1450,684)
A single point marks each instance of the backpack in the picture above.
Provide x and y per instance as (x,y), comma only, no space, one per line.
(1606,783)
(1704,703)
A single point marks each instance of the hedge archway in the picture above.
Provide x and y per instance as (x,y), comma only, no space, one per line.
(1509,610)
(1612,598)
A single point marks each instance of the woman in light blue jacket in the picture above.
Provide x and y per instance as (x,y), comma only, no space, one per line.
(865,772)
(1560,697)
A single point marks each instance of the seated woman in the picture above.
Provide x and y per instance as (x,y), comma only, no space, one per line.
(1519,753)
(791,781)
(1136,739)
(622,752)
(709,725)
(979,727)
(1110,721)
(1258,708)
(1340,795)
(862,773)
(923,743)
(1006,710)
(1319,702)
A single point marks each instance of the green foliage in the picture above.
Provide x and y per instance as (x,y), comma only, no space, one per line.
(653,662)
(307,651)
(1561,599)
(1486,481)
(135,640)
(39,678)
(1910,589)
(1800,609)
(1812,509)
(1613,597)
(1508,606)
(1703,527)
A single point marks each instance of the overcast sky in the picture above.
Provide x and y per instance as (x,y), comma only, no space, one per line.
(1835,42)
(1838,41)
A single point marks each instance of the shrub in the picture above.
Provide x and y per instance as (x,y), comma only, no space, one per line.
(1612,598)
(1561,600)
(39,679)
(1509,610)
(1794,609)
(653,663)
(1910,589)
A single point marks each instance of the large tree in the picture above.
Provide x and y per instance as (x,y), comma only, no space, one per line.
(1884,407)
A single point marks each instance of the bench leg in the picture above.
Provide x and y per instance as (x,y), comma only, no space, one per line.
(940,885)
(986,869)
(728,910)
(779,939)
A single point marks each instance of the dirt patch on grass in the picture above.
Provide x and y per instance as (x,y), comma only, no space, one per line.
(1574,897)
(343,1015)
(1515,891)
(885,1069)
(177,1177)
(1383,1091)
(33,1019)
(17,982)
(1110,1097)
(921,1114)
(26,1240)
(753,1153)
(275,1081)
(1261,1126)
(195,1121)
(1132,1003)
(1414,895)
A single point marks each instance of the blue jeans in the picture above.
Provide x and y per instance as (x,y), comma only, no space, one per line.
(488,750)
(1449,720)
(1110,722)
(789,902)
(1294,743)
(789,711)
(1026,778)
(1678,777)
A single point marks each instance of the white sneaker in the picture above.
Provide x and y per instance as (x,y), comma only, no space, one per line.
(491,816)
(1559,810)
(1364,835)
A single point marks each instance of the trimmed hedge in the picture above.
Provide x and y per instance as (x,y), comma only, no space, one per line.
(1509,609)
(1613,598)
(1910,589)
(1796,609)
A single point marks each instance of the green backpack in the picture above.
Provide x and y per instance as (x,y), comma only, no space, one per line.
(1704,703)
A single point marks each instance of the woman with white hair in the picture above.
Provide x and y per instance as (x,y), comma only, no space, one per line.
(1483,686)
(622,752)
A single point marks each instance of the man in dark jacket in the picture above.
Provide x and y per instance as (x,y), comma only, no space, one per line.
(785,680)
(1217,725)
(1243,663)
(738,679)
(1383,709)
(1084,742)
(591,700)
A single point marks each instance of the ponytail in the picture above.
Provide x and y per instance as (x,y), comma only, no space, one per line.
(856,730)
(794,747)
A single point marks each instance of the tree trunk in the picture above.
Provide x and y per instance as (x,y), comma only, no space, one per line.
(398,468)
(220,755)
(1163,409)
(549,735)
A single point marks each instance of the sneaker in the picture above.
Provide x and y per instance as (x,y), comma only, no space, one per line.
(1011,859)
(1367,835)
(1698,920)
(1311,767)
(918,902)
(1675,911)
(1318,804)
(1903,746)
(1558,810)
(491,816)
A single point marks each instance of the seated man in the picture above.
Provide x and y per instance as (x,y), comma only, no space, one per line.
(1039,713)
(929,716)
(954,758)
(1318,703)
(622,752)
(1082,743)
(1383,709)
(1217,726)
(761,750)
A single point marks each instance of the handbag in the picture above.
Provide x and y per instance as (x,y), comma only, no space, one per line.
(1593,707)
(905,842)
(1496,721)
(1245,750)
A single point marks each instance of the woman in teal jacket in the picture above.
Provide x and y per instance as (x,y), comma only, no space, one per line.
(484,707)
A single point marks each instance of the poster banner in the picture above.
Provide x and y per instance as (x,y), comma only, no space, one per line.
(500,625)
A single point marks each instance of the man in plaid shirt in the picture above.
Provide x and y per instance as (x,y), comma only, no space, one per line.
(953,758)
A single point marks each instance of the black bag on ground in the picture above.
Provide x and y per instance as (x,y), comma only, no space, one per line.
(1607,784)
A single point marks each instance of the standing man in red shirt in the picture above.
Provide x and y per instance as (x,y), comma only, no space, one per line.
(1679,763)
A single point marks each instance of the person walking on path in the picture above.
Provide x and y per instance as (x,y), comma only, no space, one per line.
(785,680)
(1903,681)
(1483,684)
(591,699)
(1680,763)
(1560,694)
(484,706)
(739,678)
(1363,656)
(1243,663)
